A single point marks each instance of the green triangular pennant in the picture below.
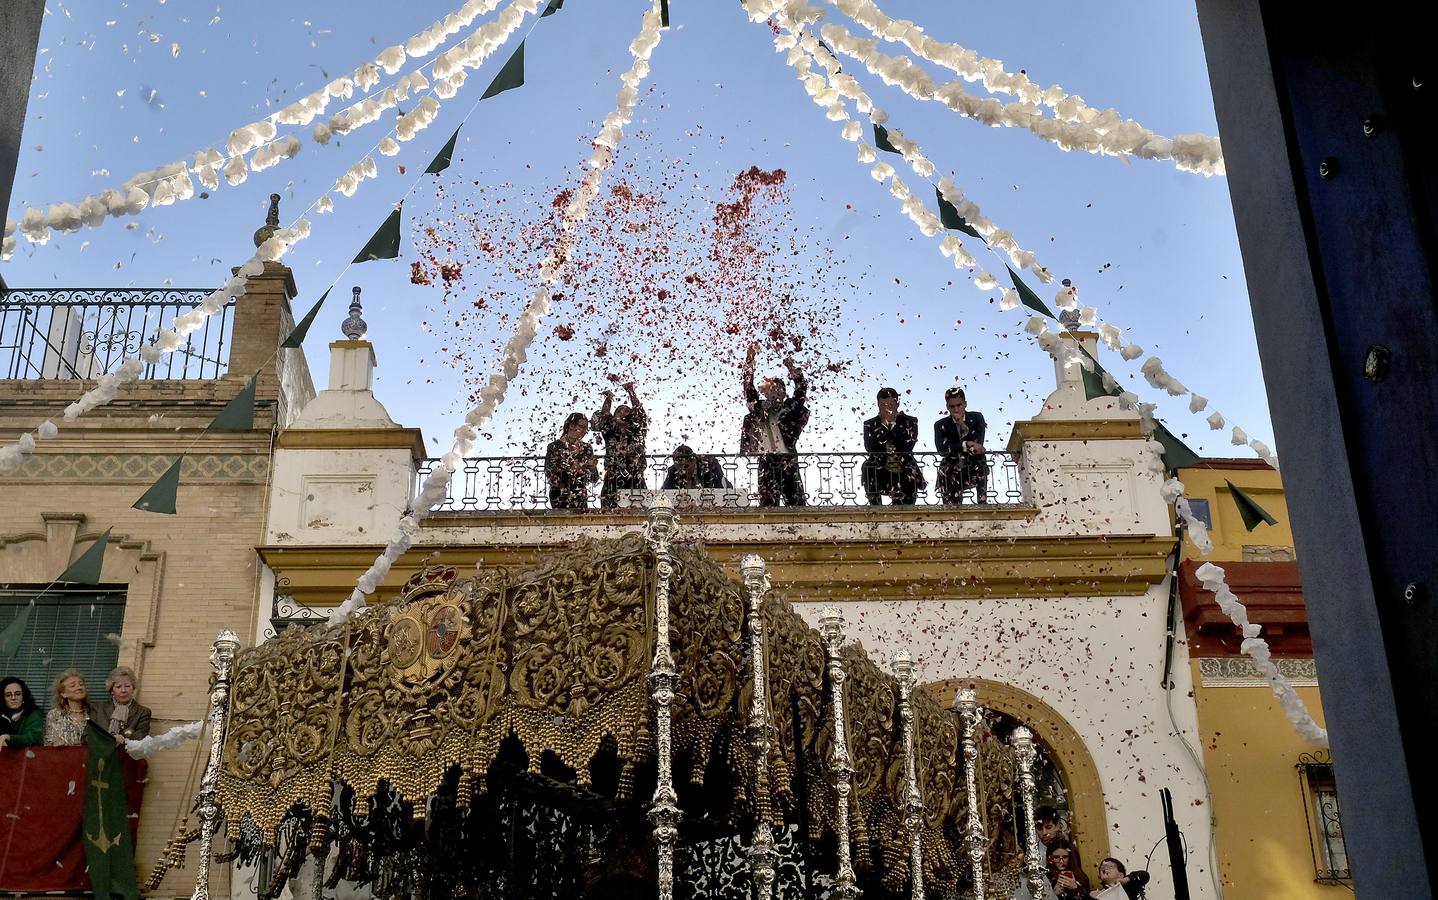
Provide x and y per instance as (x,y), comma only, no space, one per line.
(511,76)
(297,336)
(949,215)
(1093,384)
(663,13)
(1027,297)
(1251,512)
(15,632)
(881,140)
(239,413)
(445,155)
(553,7)
(385,243)
(109,852)
(1176,454)
(86,569)
(160,498)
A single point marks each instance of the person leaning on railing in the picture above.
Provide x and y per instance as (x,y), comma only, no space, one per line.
(692,471)
(122,715)
(570,467)
(65,722)
(22,724)
(890,467)
(959,436)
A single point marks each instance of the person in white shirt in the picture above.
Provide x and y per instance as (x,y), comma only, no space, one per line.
(771,431)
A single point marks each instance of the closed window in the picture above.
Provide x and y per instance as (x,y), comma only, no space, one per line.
(1325,824)
(77,627)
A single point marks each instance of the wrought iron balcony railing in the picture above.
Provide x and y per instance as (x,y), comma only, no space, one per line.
(518,483)
(82,333)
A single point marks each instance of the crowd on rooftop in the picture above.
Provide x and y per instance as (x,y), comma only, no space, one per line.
(774,421)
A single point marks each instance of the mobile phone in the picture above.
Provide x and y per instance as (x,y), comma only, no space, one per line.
(1066,874)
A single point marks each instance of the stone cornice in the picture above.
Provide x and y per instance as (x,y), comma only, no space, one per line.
(353,439)
(1273,595)
(818,571)
(1036,430)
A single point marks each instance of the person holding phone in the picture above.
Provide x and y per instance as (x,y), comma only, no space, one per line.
(1068,880)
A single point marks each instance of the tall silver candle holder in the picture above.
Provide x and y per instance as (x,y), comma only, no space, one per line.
(763,855)
(222,658)
(831,629)
(1023,742)
(913,799)
(659,530)
(966,701)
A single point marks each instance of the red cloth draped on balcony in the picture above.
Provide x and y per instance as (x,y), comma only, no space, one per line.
(42,802)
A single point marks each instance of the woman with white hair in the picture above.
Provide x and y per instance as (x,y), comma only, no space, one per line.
(122,715)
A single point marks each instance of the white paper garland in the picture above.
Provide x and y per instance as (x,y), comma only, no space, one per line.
(168,340)
(175,181)
(1213,579)
(1108,131)
(827,90)
(146,747)
(516,349)
(1257,649)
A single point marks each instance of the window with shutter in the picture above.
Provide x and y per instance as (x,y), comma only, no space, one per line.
(69,626)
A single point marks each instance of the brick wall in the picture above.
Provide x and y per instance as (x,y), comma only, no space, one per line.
(189,575)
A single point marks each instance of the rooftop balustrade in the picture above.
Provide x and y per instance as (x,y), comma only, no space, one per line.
(83,333)
(518,483)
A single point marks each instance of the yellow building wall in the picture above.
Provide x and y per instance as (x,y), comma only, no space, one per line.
(1229,536)
(1249,747)
(1250,750)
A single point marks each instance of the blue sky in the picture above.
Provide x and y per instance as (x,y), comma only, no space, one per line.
(122,87)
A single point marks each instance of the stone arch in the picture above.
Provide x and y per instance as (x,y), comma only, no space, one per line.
(1089,827)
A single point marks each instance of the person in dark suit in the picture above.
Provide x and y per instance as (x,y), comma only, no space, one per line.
(959,437)
(570,466)
(122,715)
(692,471)
(771,431)
(623,431)
(889,440)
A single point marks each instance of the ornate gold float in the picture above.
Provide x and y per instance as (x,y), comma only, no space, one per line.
(528,694)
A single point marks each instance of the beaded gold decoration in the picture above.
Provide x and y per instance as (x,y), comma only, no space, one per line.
(558,655)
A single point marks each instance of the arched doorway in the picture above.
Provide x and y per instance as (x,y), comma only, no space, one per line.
(1066,775)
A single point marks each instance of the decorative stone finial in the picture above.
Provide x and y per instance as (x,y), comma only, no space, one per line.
(1069,318)
(354,327)
(272,221)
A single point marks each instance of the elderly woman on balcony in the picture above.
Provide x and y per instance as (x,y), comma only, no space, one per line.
(121,715)
(21,722)
(65,723)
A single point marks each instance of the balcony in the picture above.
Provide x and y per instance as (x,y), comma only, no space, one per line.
(42,794)
(509,484)
(83,333)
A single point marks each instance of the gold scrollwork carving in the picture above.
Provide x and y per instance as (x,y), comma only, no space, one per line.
(557,656)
